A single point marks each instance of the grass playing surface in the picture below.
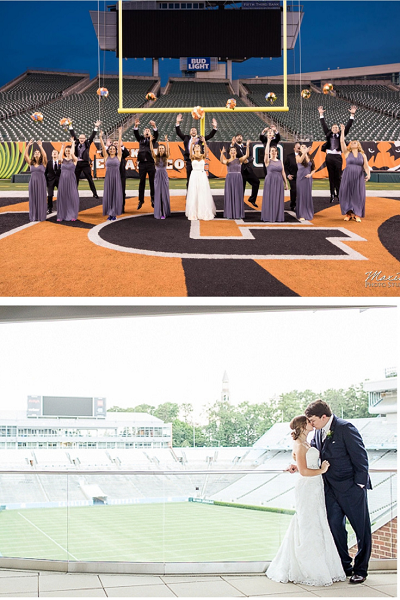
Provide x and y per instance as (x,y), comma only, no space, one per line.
(170,532)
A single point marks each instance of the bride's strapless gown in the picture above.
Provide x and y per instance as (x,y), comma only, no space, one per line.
(308,554)
(199,200)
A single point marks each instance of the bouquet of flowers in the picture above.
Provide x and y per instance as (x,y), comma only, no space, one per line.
(150,96)
(102,92)
(305,94)
(231,103)
(37,116)
(328,87)
(197,112)
(270,97)
(66,123)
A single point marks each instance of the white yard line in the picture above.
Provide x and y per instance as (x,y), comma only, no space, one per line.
(51,539)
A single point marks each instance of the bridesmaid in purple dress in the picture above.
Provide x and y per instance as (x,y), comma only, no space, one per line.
(273,195)
(233,192)
(162,207)
(67,193)
(352,189)
(112,195)
(305,171)
(37,193)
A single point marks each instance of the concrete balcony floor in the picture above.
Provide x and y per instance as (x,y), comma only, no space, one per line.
(33,584)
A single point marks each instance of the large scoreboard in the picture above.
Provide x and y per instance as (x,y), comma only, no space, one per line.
(66,406)
(227,34)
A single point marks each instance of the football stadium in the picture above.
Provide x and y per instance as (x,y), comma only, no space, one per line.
(85,490)
(330,250)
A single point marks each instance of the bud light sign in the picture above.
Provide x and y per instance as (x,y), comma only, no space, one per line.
(198,64)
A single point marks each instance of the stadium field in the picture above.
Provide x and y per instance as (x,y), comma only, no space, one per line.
(174,532)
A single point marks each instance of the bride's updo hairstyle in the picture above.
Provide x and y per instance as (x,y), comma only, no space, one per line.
(298,424)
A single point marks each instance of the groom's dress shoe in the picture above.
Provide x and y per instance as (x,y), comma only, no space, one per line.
(357,579)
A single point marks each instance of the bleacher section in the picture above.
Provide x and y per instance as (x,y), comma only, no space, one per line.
(189,93)
(377,97)
(368,124)
(34,90)
(82,108)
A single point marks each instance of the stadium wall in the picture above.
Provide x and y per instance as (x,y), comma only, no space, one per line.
(384,542)
(383,157)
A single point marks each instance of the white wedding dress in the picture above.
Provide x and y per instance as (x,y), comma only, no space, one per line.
(308,554)
(199,200)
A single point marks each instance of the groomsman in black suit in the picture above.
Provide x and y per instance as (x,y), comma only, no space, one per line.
(122,168)
(291,173)
(189,140)
(248,174)
(82,146)
(52,172)
(333,151)
(274,141)
(145,160)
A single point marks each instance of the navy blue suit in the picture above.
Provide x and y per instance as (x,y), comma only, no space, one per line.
(346,454)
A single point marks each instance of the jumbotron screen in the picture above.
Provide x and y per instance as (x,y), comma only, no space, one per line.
(59,406)
(232,34)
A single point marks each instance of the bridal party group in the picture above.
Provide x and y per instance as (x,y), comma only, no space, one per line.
(66,167)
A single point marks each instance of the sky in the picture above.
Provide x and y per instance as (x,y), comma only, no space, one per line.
(59,35)
(182,359)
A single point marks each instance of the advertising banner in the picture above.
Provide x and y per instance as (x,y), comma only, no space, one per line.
(382,157)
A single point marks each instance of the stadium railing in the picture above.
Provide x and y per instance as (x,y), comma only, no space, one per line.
(164,521)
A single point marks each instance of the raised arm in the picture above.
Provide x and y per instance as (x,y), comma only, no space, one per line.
(61,153)
(222,157)
(342,142)
(119,153)
(26,154)
(43,153)
(167,150)
(96,125)
(151,147)
(155,130)
(213,130)
(136,130)
(103,148)
(205,147)
(245,156)
(178,127)
(266,155)
(352,111)
(74,158)
(322,119)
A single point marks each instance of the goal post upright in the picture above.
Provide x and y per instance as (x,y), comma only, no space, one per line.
(207,109)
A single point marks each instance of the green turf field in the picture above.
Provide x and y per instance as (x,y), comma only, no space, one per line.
(170,532)
(180,184)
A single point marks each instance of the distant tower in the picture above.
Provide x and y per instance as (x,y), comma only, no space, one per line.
(225,388)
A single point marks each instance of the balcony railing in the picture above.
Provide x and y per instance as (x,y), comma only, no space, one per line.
(214,520)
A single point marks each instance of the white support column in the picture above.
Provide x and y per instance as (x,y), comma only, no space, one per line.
(229,70)
(155,67)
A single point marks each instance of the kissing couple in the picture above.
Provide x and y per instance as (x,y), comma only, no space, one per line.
(332,485)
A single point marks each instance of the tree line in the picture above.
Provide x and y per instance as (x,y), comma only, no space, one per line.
(244,424)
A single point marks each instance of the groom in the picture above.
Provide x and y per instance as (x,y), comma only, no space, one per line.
(346,483)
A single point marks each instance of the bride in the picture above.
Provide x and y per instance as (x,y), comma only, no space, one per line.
(308,554)
(199,200)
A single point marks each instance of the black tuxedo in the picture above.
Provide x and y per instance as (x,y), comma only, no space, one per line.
(334,161)
(274,142)
(248,174)
(186,154)
(52,178)
(146,163)
(348,459)
(83,165)
(291,169)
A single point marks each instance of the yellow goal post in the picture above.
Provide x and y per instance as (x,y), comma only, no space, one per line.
(207,109)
